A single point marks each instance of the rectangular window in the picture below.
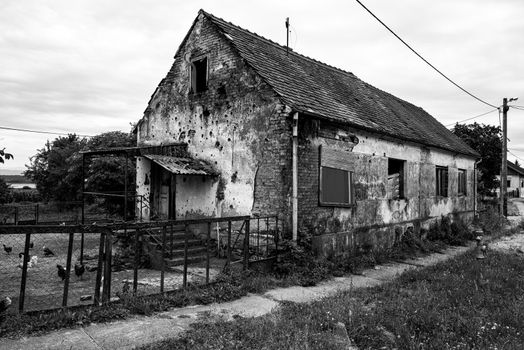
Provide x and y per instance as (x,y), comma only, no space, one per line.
(442,181)
(335,187)
(508,183)
(199,75)
(395,178)
(462,182)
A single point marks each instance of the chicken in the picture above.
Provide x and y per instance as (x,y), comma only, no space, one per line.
(61,271)
(79,270)
(30,262)
(5,303)
(8,250)
(47,251)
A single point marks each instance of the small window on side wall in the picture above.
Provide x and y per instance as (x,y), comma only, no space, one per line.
(462,182)
(442,181)
(336,187)
(199,75)
(395,178)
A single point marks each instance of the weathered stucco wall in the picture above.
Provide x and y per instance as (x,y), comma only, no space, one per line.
(375,219)
(236,125)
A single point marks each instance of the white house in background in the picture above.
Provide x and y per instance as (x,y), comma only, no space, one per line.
(515,180)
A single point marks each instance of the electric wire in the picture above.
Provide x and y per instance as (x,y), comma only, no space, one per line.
(41,132)
(513,154)
(423,59)
(517,107)
(477,116)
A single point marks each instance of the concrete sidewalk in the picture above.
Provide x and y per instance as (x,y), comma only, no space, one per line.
(137,331)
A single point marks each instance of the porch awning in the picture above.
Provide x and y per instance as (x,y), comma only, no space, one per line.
(182,166)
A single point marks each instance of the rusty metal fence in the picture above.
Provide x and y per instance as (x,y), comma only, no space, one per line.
(46,267)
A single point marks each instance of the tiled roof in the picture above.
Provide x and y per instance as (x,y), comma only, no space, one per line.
(317,89)
(515,168)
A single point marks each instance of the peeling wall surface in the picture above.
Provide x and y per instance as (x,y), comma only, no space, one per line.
(236,125)
(375,219)
(239,125)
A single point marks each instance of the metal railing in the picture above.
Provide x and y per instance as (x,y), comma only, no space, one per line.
(117,258)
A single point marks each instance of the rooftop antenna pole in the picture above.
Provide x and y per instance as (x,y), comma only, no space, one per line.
(287,36)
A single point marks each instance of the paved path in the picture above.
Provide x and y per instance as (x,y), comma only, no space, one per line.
(133,332)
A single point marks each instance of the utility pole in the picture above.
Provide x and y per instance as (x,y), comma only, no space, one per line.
(504,165)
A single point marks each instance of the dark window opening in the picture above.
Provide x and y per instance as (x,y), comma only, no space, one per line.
(442,181)
(462,182)
(508,183)
(199,75)
(335,187)
(396,178)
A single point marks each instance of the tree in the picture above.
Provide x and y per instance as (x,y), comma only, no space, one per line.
(52,169)
(106,174)
(57,168)
(5,192)
(5,155)
(517,162)
(486,140)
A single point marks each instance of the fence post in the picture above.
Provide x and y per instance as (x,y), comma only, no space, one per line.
(106,293)
(16,215)
(208,240)
(277,236)
(100,265)
(36,214)
(24,273)
(68,268)
(246,246)
(137,261)
(186,228)
(162,266)
(228,242)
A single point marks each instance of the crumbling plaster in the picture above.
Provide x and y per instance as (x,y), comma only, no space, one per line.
(229,125)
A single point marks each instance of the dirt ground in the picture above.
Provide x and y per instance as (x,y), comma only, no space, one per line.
(44,288)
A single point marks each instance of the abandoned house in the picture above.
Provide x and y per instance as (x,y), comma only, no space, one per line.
(249,127)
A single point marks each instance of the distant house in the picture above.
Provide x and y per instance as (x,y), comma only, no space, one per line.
(515,180)
(249,127)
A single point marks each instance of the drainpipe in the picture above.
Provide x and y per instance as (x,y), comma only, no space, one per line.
(475,187)
(294,217)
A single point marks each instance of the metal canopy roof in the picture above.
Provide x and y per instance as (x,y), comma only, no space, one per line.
(182,166)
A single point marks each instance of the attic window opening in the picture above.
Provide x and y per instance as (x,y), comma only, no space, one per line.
(199,75)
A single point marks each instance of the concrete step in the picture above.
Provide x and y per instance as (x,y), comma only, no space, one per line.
(180,261)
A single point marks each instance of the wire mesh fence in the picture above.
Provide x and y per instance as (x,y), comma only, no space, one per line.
(51,266)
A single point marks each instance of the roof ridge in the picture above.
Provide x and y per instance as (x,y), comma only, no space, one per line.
(276,44)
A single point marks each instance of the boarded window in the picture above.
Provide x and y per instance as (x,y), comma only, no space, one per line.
(396,178)
(335,187)
(462,182)
(442,181)
(199,75)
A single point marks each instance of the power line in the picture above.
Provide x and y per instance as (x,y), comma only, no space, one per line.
(520,108)
(477,116)
(41,132)
(423,59)
(515,155)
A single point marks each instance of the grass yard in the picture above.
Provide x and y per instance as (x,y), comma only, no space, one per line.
(463,303)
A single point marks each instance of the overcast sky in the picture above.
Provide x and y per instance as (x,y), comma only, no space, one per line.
(89,66)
